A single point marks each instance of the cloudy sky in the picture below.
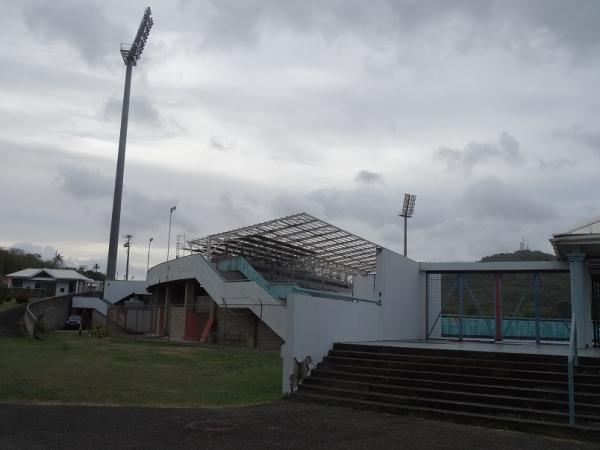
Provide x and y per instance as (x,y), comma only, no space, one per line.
(243,111)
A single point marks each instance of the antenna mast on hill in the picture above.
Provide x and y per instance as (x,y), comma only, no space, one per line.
(131,54)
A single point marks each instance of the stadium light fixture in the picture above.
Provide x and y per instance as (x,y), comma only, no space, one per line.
(408,208)
(131,55)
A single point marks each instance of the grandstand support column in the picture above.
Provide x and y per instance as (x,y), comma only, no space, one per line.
(577,266)
(166,313)
(498,301)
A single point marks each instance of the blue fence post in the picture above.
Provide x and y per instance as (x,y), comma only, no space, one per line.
(460,306)
(536,303)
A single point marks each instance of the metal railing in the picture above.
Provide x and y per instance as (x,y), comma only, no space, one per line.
(572,363)
(279,290)
(498,305)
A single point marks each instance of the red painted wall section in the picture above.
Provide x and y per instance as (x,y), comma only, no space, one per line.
(192,326)
(206,330)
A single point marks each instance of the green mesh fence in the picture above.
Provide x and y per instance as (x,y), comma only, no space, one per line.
(518,328)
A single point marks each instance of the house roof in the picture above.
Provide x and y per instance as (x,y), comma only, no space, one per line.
(294,237)
(57,274)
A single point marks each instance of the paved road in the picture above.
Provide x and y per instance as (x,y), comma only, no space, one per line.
(9,321)
(289,425)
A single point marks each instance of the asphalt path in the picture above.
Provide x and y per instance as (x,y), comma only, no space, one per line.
(279,425)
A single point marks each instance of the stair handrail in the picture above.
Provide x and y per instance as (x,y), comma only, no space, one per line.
(572,362)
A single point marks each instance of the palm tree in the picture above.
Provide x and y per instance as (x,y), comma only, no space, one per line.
(58,259)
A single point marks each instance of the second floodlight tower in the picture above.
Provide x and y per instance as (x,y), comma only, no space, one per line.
(408,208)
(131,55)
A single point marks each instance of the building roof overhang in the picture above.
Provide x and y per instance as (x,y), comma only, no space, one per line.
(299,236)
(569,243)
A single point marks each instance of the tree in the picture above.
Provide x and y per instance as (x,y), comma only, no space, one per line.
(58,259)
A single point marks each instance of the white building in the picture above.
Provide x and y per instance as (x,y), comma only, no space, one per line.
(49,282)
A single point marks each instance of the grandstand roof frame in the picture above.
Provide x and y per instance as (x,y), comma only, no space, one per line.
(299,236)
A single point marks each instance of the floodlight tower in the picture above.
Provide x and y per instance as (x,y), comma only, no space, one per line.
(408,208)
(131,55)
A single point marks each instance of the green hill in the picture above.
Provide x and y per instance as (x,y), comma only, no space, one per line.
(520,255)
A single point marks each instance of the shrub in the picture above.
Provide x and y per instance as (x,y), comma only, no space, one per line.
(100,332)
(40,327)
(21,297)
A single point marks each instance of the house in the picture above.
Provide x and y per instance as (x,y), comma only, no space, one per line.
(49,282)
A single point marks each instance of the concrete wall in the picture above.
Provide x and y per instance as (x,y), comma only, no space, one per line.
(177,322)
(314,324)
(53,311)
(363,286)
(400,286)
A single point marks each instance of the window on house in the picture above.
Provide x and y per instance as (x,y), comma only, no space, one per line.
(38,285)
(17,283)
(62,289)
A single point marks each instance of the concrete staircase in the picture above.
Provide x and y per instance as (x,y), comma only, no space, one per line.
(524,392)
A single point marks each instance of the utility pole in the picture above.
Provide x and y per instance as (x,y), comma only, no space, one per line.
(173,208)
(127,245)
(131,55)
(148,264)
(408,208)
(96,267)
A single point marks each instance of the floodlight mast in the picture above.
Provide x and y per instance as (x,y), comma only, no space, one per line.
(408,208)
(131,55)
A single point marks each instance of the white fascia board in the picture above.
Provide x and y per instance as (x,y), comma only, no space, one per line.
(503,266)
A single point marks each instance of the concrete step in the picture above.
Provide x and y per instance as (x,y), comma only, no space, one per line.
(452,405)
(494,356)
(491,370)
(417,382)
(491,397)
(579,432)
(450,360)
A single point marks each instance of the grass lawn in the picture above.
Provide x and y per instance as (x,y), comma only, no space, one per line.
(66,368)
(8,305)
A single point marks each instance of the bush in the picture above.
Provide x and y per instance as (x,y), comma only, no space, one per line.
(100,332)
(40,327)
(21,297)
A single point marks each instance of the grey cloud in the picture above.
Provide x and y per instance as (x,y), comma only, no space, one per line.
(507,149)
(138,212)
(522,26)
(232,210)
(83,25)
(553,165)
(490,198)
(142,111)
(219,144)
(580,134)
(84,183)
(366,177)
(46,251)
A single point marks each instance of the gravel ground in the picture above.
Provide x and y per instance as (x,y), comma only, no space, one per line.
(283,424)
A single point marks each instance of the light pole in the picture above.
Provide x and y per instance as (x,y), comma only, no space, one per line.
(173,208)
(127,245)
(131,55)
(148,265)
(408,208)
